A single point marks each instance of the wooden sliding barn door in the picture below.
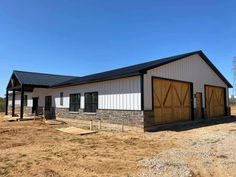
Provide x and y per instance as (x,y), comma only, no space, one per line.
(215,101)
(172,101)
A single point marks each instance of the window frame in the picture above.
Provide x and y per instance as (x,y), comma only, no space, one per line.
(93,105)
(70,103)
(61,98)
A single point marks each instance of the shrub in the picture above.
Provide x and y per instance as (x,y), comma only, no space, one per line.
(2,105)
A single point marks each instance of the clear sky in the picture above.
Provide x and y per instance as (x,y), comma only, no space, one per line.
(80,37)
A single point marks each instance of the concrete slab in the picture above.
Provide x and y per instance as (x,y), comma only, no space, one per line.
(76,131)
(187,125)
(25,118)
(11,119)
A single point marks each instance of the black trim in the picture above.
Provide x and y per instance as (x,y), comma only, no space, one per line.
(225,98)
(205,112)
(22,103)
(192,101)
(26,100)
(191,92)
(95,81)
(18,88)
(225,101)
(6,102)
(61,98)
(13,102)
(208,61)
(12,77)
(142,91)
(202,108)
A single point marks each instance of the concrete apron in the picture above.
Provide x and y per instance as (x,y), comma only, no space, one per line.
(187,125)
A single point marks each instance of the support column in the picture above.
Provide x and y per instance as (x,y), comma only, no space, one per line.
(6,103)
(22,103)
(13,102)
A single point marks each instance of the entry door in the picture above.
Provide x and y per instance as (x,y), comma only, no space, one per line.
(215,101)
(172,101)
(48,103)
(199,105)
(35,105)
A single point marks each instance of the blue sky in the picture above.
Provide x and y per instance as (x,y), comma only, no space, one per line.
(80,37)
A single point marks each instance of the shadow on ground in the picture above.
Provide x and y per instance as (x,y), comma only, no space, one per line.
(185,126)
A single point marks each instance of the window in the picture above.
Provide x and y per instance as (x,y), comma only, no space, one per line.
(74,102)
(91,101)
(25,100)
(61,98)
(48,102)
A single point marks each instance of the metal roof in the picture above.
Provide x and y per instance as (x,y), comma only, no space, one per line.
(51,80)
(137,70)
(40,79)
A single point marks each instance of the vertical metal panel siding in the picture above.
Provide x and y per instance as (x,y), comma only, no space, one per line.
(191,69)
(17,99)
(120,94)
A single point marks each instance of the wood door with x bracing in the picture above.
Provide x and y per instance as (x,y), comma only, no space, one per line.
(215,101)
(172,101)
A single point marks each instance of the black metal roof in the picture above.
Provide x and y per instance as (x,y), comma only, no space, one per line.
(51,80)
(40,79)
(137,70)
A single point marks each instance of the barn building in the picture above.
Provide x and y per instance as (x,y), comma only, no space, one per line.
(185,87)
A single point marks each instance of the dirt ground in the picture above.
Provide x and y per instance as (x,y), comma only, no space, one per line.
(33,148)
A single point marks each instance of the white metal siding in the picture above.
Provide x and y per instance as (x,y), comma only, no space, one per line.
(191,69)
(17,99)
(120,94)
(125,94)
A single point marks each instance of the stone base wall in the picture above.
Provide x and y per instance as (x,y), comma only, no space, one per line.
(50,114)
(149,119)
(131,118)
(27,110)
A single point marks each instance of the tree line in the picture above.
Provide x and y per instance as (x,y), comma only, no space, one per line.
(2,104)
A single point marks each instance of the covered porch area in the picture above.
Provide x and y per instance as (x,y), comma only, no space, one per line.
(18,86)
(22,82)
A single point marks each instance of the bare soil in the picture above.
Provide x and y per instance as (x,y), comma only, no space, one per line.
(33,148)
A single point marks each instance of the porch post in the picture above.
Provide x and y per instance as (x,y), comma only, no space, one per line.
(13,102)
(6,103)
(22,103)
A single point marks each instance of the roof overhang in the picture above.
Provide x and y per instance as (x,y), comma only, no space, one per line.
(16,85)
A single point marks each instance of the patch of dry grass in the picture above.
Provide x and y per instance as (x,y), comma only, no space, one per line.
(32,148)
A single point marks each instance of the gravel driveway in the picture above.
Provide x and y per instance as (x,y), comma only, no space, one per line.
(207,151)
